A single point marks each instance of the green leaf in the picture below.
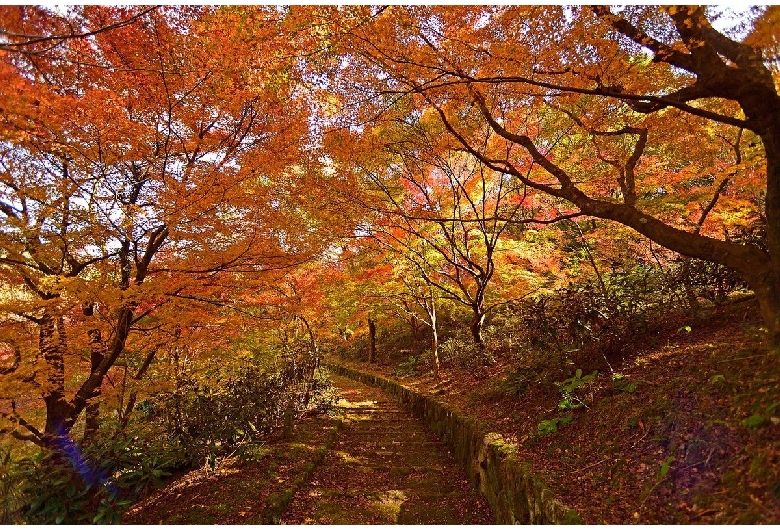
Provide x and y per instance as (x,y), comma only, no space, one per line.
(547,426)
(568,403)
(755,421)
(717,378)
(666,465)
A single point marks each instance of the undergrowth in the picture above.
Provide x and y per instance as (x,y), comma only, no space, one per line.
(193,426)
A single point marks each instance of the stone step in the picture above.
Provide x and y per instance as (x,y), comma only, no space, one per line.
(390,407)
(373,420)
(392,468)
(362,428)
(386,433)
(363,443)
(425,495)
(375,414)
(435,446)
(385,467)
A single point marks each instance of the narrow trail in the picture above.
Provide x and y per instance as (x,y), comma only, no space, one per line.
(385,467)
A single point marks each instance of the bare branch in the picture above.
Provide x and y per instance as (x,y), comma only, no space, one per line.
(706,211)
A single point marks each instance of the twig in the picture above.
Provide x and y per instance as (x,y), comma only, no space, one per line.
(653,489)
(692,465)
(641,438)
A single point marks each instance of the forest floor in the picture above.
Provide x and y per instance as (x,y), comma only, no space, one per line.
(684,429)
(372,464)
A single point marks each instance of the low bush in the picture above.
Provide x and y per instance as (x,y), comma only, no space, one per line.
(242,405)
(607,320)
(84,485)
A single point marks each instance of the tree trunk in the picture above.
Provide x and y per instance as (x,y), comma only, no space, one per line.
(476,328)
(87,390)
(690,294)
(767,286)
(415,329)
(58,410)
(92,411)
(288,428)
(767,290)
(61,414)
(313,362)
(371,340)
(431,309)
(435,347)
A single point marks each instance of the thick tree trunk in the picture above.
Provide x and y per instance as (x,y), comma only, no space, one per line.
(767,290)
(124,319)
(371,340)
(62,414)
(58,410)
(92,411)
(767,286)
(91,422)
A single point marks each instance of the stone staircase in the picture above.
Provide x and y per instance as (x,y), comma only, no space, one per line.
(385,467)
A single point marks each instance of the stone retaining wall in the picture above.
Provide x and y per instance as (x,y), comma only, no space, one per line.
(515,494)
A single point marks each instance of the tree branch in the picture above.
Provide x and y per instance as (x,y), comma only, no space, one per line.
(31,40)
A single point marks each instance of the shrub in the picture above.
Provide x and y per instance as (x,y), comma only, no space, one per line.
(243,404)
(708,280)
(411,366)
(461,351)
(324,395)
(83,485)
(589,318)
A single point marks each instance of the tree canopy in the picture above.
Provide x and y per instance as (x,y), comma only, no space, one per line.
(181,175)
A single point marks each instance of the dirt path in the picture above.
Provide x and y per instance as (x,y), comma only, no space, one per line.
(385,467)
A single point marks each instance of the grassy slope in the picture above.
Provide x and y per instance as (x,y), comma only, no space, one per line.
(689,434)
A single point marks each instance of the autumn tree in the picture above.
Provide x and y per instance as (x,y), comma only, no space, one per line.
(444,212)
(140,166)
(418,301)
(589,105)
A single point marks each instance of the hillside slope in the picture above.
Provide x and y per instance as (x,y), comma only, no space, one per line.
(685,431)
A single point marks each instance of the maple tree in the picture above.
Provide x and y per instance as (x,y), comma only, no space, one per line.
(144,167)
(444,213)
(136,185)
(418,301)
(589,106)
(392,286)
